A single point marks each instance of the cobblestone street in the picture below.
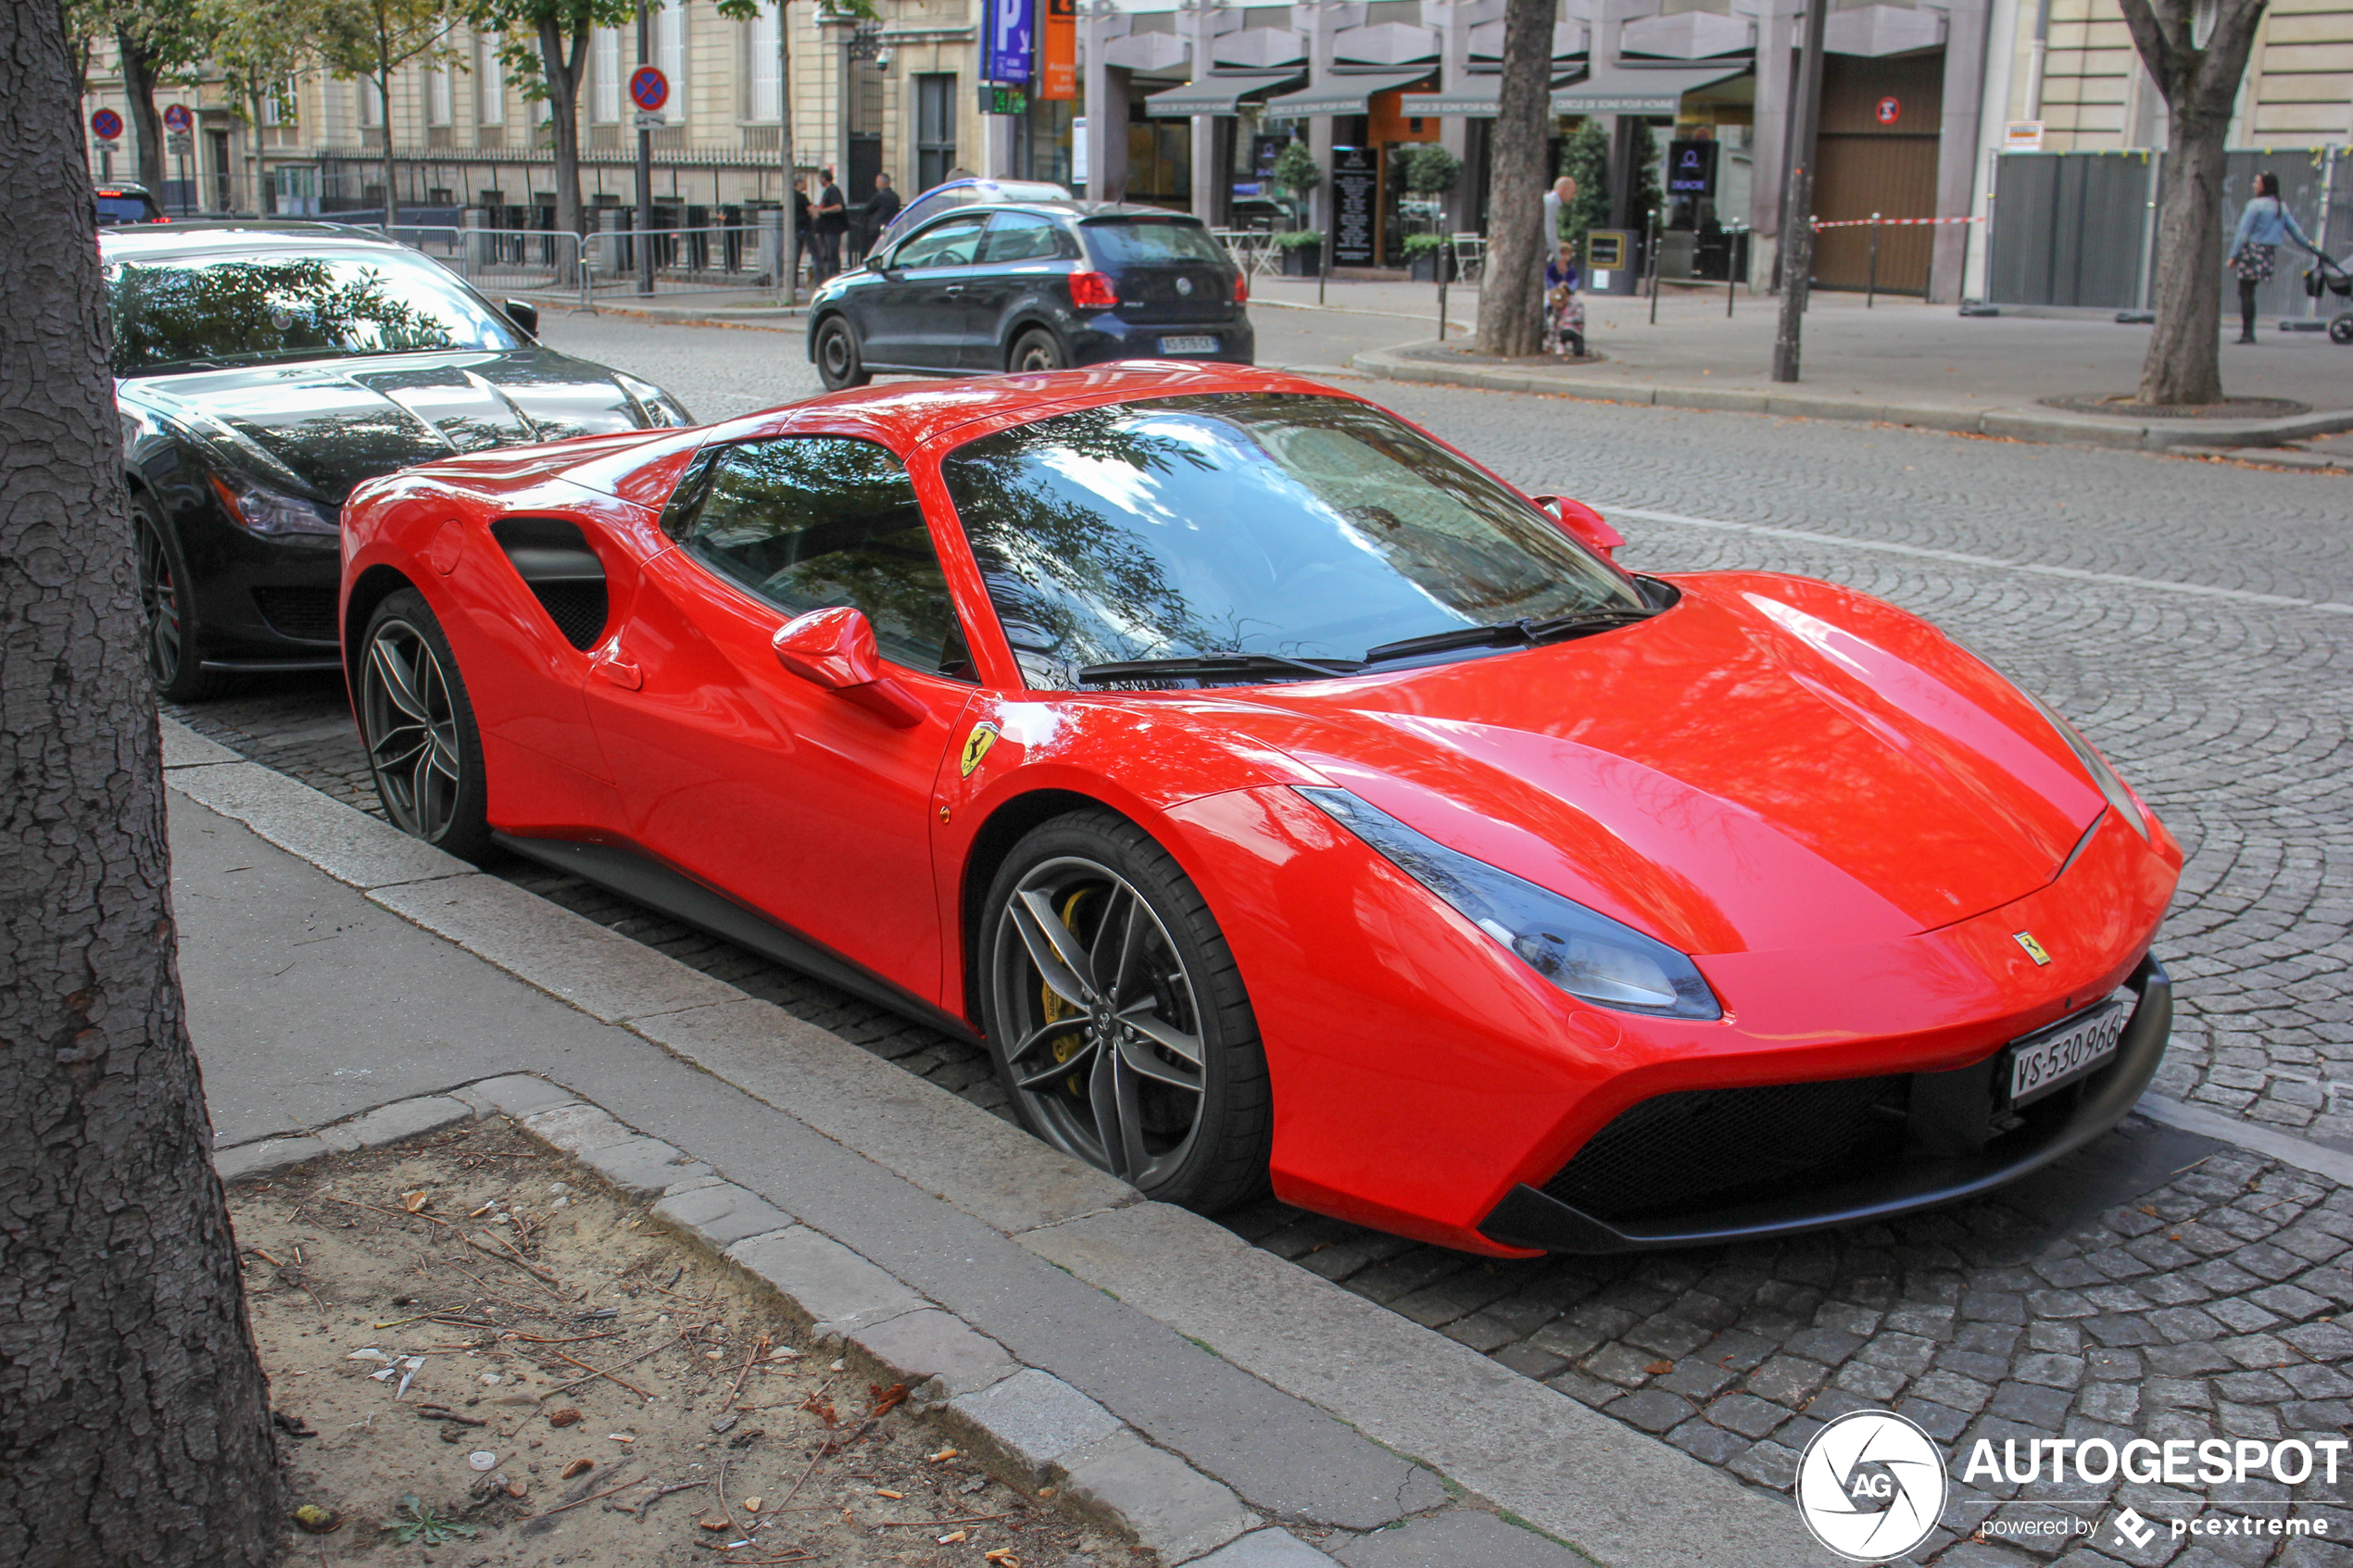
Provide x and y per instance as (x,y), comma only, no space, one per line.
(2195,619)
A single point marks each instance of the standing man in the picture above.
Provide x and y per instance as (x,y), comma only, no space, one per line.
(1556,202)
(803,230)
(880,208)
(833,222)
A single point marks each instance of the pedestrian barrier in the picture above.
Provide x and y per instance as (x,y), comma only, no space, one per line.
(1252,250)
(709,259)
(1875,223)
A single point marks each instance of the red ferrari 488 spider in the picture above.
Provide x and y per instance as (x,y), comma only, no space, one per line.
(1284,797)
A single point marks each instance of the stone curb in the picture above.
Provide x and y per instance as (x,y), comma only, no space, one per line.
(2028,423)
(1026,1425)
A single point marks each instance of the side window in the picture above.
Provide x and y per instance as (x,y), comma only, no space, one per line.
(949,242)
(809,523)
(1020,236)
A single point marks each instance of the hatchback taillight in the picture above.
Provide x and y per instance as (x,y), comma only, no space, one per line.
(1093,291)
(1241,288)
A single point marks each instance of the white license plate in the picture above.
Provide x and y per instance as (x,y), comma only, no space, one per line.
(1188,345)
(2041,1063)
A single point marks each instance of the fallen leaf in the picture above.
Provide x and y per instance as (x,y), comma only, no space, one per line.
(318,1520)
(564,1417)
(1659,1368)
(887,1492)
(619,1437)
(1002,1556)
(516,1488)
(885,1399)
(1045,1491)
(2150,1210)
(943,1456)
(714,1524)
(416,1202)
(752,1505)
(579,1467)
(713,1356)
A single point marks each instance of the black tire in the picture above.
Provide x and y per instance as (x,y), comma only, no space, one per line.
(1036,349)
(1171,978)
(840,362)
(2341,328)
(173,641)
(418,724)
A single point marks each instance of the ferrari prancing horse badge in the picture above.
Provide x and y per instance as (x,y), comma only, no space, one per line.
(976,747)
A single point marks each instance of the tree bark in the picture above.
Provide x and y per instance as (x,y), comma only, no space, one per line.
(563,117)
(2200,84)
(133,1416)
(139,86)
(1511,307)
(391,191)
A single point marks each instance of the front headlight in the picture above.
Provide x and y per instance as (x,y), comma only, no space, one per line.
(273,514)
(659,406)
(2094,764)
(1582,951)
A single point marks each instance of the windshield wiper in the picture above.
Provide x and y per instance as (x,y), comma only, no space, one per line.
(1216,664)
(1507,633)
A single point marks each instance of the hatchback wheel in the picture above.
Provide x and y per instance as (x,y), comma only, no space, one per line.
(419,726)
(839,363)
(1117,1018)
(1038,350)
(175,660)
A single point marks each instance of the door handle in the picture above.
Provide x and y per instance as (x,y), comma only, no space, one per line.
(619,670)
(953,290)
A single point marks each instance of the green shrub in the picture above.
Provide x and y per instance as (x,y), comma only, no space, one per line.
(1299,239)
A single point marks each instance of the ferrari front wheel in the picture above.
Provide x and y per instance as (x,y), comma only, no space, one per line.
(418,727)
(1117,1017)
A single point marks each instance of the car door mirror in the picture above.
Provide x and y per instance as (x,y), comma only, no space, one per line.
(834,648)
(523,314)
(1583,524)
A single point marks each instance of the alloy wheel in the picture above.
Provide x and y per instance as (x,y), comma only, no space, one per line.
(1036,355)
(158,604)
(410,722)
(1102,1032)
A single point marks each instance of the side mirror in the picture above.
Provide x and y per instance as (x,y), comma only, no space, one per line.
(523,314)
(834,648)
(1583,524)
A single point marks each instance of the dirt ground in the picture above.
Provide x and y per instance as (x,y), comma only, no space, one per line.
(479,1357)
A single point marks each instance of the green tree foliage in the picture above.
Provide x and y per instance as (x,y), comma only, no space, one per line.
(371,39)
(1430,170)
(258,46)
(159,42)
(1585,158)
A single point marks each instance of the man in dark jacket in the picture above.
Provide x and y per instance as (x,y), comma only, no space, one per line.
(880,208)
(832,216)
(804,248)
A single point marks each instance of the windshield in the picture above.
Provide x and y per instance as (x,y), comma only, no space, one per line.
(1249,522)
(193,312)
(1128,241)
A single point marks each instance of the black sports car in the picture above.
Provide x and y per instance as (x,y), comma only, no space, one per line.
(262,371)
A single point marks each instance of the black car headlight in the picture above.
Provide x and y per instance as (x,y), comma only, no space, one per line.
(1582,951)
(660,408)
(273,514)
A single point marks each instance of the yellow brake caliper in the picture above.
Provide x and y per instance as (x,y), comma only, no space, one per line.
(1064,1046)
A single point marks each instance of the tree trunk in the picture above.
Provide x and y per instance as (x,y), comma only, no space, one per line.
(1511,307)
(2184,362)
(391,191)
(139,86)
(133,1416)
(564,117)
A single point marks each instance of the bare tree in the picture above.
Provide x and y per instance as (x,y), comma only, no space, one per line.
(2195,51)
(134,1417)
(1510,306)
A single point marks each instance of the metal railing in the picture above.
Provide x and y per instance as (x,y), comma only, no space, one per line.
(715,258)
(1253,251)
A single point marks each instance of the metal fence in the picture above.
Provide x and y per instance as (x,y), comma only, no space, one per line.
(2079,229)
(603,265)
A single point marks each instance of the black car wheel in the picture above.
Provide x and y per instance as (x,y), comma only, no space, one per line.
(1117,1018)
(419,726)
(839,363)
(168,624)
(2341,328)
(1036,349)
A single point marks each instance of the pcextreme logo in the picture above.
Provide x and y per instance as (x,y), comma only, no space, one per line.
(1871,1486)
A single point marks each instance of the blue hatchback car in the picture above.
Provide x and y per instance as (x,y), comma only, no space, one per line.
(1033,285)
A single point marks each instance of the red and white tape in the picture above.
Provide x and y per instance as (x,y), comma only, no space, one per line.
(1887,223)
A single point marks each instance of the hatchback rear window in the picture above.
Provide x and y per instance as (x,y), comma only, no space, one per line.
(1130,241)
(117,207)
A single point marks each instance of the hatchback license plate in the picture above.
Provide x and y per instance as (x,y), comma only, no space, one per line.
(2040,1064)
(1188,345)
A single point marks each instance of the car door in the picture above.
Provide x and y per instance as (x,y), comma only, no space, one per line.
(804,805)
(1017,251)
(916,314)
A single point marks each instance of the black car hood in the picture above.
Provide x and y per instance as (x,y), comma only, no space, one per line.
(330,424)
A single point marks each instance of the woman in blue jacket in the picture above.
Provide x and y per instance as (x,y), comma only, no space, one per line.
(2263,226)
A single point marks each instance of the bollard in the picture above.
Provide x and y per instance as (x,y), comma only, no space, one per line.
(1870,285)
(1650,247)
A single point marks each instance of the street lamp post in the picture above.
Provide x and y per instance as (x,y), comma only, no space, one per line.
(1797,198)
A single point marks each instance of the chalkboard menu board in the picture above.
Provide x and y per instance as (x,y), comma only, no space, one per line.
(1356,188)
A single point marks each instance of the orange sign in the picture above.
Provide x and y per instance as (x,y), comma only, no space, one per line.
(1059,78)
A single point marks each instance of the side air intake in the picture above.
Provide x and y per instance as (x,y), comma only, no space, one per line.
(553,558)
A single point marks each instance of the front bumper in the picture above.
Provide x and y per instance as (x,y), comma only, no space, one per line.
(1854,1192)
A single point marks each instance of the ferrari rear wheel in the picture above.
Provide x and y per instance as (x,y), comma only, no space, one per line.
(839,362)
(419,726)
(175,661)
(1117,1018)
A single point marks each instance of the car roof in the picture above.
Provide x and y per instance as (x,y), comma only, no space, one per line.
(1077,207)
(188,239)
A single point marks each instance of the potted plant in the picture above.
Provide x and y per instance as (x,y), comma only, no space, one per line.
(1302,251)
(1426,253)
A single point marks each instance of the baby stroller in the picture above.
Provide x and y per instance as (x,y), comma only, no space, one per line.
(2327,279)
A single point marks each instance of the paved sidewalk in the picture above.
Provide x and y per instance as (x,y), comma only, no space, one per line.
(348,986)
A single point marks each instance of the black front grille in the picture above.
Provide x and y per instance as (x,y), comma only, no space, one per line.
(1729,1144)
(306,613)
(577,608)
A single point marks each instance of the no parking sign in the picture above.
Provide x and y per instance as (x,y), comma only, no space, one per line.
(106,125)
(649,90)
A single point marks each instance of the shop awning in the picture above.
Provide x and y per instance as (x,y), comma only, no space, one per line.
(1221,93)
(1641,90)
(1341,95)
(1477,98)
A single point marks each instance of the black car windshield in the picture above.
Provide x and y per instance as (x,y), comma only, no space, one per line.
(1280,523)
(189,313)
(1128,241)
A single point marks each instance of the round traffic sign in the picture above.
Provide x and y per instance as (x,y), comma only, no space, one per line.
(1890,111)
(177,117)
(107,124)
(648,88)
